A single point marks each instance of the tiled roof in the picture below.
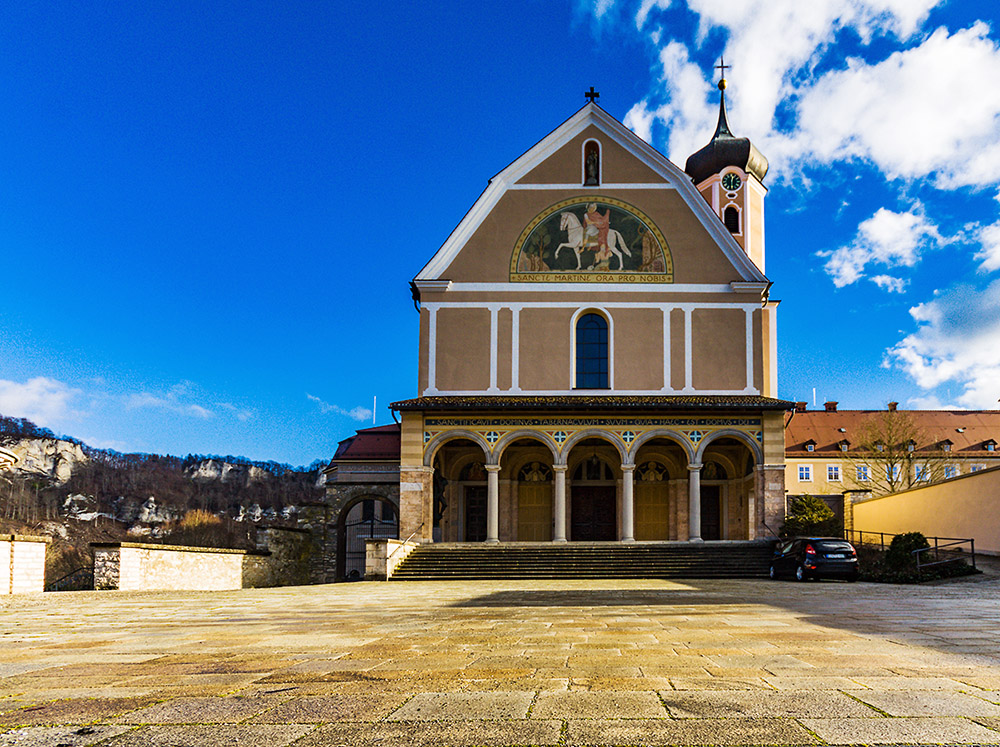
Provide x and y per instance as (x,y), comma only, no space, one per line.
(968,430)
(379,443)
(595,402)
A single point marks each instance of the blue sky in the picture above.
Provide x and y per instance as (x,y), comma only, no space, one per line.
(211,211)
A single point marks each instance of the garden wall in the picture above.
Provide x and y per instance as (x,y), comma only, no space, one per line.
(965,506)
(22,563)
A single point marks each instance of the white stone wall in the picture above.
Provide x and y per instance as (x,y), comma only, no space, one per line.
(383,556)
(22,564)
(133,566)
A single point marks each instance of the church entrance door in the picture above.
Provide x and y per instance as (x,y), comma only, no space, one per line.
(711,512)
(593,513)
(475,513)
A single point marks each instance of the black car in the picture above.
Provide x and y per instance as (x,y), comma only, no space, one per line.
(815,557)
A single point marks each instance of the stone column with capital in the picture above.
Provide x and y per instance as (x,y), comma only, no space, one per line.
(628,503)
(559,503)
(492,502)
(694,502)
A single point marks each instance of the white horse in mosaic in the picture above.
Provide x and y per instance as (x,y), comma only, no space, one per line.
(575,233)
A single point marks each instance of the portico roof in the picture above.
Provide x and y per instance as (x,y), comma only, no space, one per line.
(596,402)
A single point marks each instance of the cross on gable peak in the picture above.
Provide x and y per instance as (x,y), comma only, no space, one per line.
(592,95)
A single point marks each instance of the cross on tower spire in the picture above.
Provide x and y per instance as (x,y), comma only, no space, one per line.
(592,95)
(722,67)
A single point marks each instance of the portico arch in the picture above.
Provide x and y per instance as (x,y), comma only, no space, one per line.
(509,438)
(432,447)
(750,442)
(666,433)
(592,433)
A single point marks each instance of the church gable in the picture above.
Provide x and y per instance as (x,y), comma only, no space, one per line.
(615,164)
(591,203)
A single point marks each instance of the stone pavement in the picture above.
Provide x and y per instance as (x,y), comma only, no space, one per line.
(506,663)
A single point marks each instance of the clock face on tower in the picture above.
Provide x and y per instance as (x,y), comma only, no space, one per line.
(731,182)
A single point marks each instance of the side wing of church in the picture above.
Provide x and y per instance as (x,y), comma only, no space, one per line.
(597,352)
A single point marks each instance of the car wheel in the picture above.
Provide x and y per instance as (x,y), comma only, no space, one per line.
(800,573)
(772,573)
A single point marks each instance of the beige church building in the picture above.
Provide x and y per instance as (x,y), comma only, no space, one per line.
(597,358)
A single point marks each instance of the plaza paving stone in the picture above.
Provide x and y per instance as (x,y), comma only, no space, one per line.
(595,662)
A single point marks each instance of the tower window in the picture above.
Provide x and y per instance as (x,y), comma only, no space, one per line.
(731,217)
(591,164)
(592,352)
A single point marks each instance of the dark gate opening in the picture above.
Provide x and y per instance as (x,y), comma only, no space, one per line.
(370,518)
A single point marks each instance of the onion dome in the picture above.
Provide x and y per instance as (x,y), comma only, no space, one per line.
(725,149)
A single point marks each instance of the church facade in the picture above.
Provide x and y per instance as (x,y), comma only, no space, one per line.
(597,352)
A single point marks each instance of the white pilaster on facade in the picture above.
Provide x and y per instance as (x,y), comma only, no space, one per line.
(559,503)
(628,503)
(515,348)
(492,502)
(694,502)
(431,348)
(666,349)
(687,351)
(749,347)
(494,334)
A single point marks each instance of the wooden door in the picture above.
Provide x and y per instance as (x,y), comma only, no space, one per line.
(593,513)
(475,513)
(534,512)
(651,511)
(711,512)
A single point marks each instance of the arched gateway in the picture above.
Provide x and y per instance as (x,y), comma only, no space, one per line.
(596,353)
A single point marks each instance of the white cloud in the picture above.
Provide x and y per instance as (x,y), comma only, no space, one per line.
(923,111)
(46,402)
(887,238)
(957,341)
(175,400)
(766,74)
(890,283)
(989,238)
(355,413)
(926,110)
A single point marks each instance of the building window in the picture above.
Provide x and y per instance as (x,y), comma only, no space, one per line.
(805,473)
(946,446)
(731,217)
(592,352)
(921,472)
(892,472)
(950,470)
(991,446)
(863,474)
(591,164)
(833,473)
(810,447)
(977,468)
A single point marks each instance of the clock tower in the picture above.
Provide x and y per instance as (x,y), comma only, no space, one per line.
(729,172)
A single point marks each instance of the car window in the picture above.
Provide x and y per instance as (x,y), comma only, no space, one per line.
(833,546)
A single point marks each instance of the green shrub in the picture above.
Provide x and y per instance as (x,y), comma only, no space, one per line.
(810,515)
(898,565)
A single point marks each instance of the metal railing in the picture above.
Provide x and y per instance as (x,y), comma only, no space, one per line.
(80,579)
(942,549)
(405,542)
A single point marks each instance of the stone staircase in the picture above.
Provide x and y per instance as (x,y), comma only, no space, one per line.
(519,560)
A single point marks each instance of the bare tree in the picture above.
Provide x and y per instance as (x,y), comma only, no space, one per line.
(894,453)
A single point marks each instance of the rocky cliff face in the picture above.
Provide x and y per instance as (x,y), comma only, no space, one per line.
(214,469)
(47,457)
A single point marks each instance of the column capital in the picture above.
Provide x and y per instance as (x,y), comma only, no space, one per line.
(628,468)
(492,467)
(695,466)
(560,467)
